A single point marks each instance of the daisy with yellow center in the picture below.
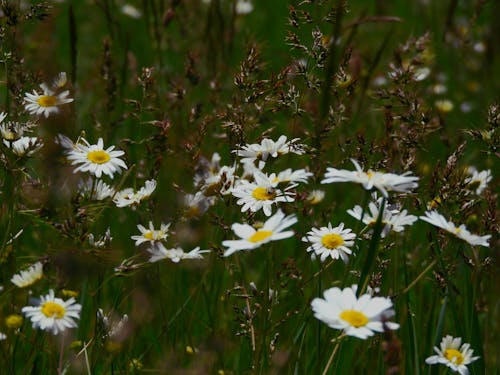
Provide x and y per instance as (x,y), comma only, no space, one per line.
(151,234)
(252,238)
(47,102)
(29,276)
(438,220)
(53,314)
(453,355)
(95,159)
(330,241)
(261,193)
(359,317)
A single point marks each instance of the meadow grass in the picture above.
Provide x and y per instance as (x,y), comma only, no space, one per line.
(398,87)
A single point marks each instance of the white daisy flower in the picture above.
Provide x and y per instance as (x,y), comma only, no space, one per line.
(330,241)
(252,238)
(260,194)
(453,355)
(130,197)
(95,159)
(197,204)
(53,314)
(24,146)
(478,181)
(384,182)
(359,317)
(159,252)
(288,175)
(98,190)
(12,130)
(316,196)
(243,7)
(220,182)
(29,276)
(205,169)
(60,81)
(392,219)
(268,147)
(438,220)
(151,234)
(46,103)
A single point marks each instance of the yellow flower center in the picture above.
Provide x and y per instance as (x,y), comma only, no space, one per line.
(14,321)
(454,356)
(458,230)
(369,174)
(47,101)
(98,156)
(260,235)
(263,194)
(149,235)
(332,241)
(355,318)
(52,309)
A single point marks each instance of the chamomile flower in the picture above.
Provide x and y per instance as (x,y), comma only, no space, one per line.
(330,241)
(252,238)
(95,190)
(151,234)
(316,196)
(359,317)
(24,146)
(268,147)
(95,159)
(47,102)
(392,219)
(288,175)
(197,204)
(478,181)
(438,220)
(453,355)
(130,197)
(29,276)
(384,182)
(159,252)
(260,194)
(11,130)
(53,314)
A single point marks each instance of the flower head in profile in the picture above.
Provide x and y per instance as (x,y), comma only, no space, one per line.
(438,220)
(95,159)
(197,204)
(292,176)
(334,242)
(159,252)
(29,276)
(95,190)
(130,197)
(252,238)
(53,314)
(392,218)
(24,146)
(478,181)
(384,182)
(151,234)
(360,317)
(261,194)
(269,148)
(453,355)
(48,101)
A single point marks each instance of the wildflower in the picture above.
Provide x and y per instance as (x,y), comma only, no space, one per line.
(453,355)
(29,276)
(95,159)
(251,238)
(159,252)
(384,182)
(438,220)
(24,146)
(243,6)
(478,181)
(131,11)
(46,103)
(360,317)
(151,235)
(299,175)
(11,130)
(129,197)
(392,219)
(53,314)
(268,147)
(14,321)
(329,241)
(444,105)
(316,196)
(95,189)
(197,204)
(260,194)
